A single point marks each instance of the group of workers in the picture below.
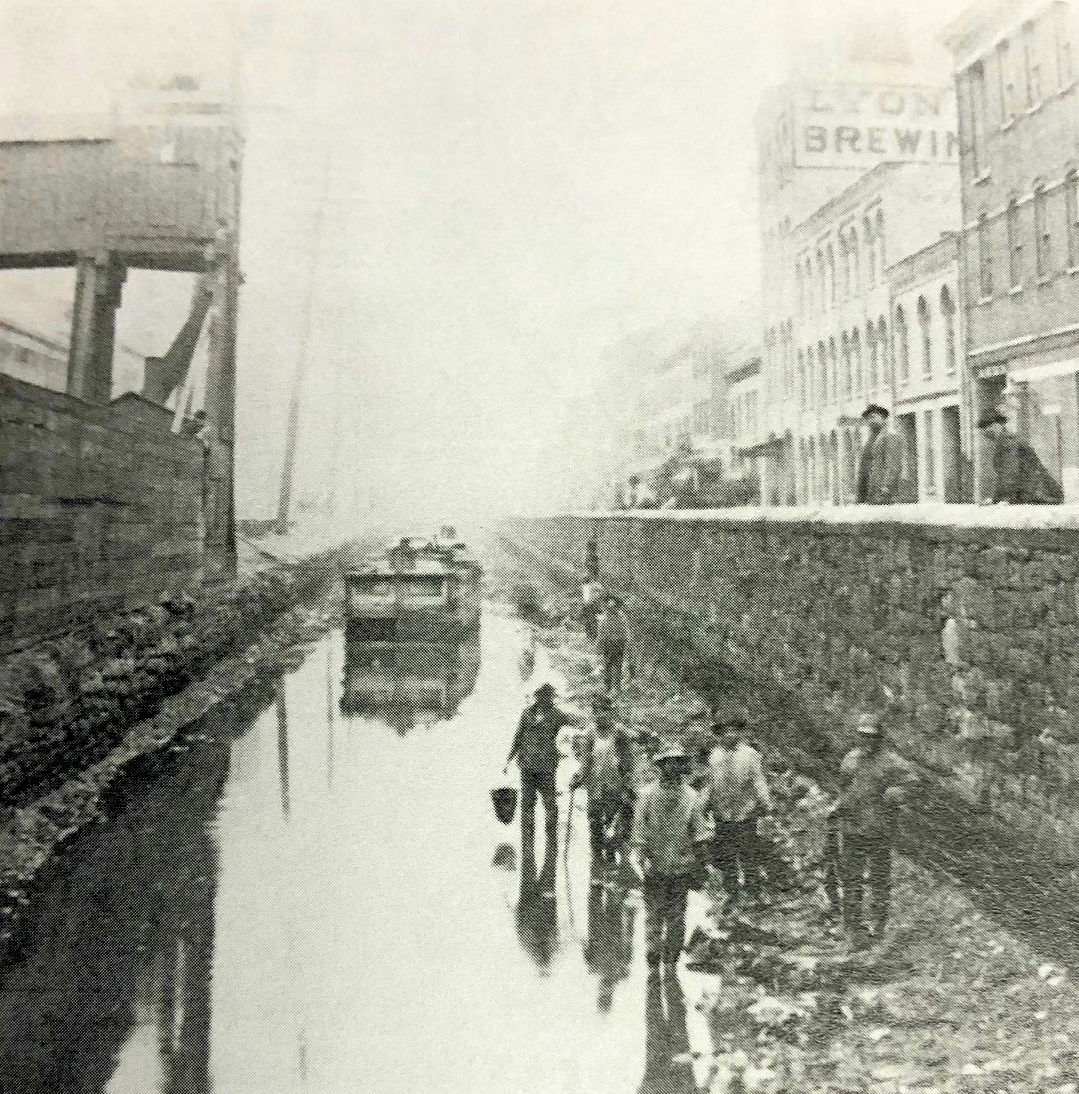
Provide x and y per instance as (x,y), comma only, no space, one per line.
(698,819)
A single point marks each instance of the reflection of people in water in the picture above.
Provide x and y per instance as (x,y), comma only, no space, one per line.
(668,1069)
(537,906)
(505,857)
(609,949)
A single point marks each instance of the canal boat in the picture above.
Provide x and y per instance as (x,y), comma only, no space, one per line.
(419,590)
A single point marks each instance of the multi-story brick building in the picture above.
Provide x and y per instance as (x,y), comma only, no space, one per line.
(850,345)
(928,368)
(818,138)
(1016,76)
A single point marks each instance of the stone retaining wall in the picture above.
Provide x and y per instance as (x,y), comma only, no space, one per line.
(968,630)
(99,509)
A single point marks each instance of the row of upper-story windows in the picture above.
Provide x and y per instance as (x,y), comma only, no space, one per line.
(841,267)
(1035,237)
(779,355)
(744,415)
(858,363)
(1015,77)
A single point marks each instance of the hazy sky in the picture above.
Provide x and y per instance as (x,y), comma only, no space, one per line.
(512,186)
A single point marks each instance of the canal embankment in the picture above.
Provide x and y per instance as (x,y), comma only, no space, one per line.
(80,712)
(951,1000)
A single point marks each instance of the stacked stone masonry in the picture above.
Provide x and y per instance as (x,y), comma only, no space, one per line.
(968,631)
(99,510)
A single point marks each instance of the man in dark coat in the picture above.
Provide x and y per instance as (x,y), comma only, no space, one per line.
(880,469)
(535,746)
(1019,477)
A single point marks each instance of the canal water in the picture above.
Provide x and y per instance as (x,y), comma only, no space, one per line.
(318,901)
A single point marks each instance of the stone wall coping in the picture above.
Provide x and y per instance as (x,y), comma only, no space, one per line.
(1005,518)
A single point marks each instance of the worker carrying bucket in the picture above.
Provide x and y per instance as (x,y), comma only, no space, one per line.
(535,747)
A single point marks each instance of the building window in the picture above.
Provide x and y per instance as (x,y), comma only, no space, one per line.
(801,380)
(856,361)
(976,95)
(830,279)
(930,448)
(844,348)
(947,310)
(822,373)
(883,360)
(1015,246)
(1006,83)
(985,259)
(1032,72)
(1042,240)
(925,327)
(902,348)
(855,271)
(833,371)
(1063,44)
(878,235)
(1071,215)
(871,354)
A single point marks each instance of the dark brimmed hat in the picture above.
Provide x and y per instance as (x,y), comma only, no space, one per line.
(670,754)
(992,417)
(876,408)
(546,688)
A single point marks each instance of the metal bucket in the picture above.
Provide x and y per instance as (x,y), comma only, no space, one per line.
(504,799)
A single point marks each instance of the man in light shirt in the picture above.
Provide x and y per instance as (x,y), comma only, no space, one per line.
(737,796)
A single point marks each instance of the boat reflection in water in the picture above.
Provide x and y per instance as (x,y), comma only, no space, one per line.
(409,683)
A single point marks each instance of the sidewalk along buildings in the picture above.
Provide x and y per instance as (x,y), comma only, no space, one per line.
(1016,74)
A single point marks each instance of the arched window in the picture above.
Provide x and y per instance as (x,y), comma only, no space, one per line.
(884,357)
(902,348)
(985,259)
(829,253)
(925,328)
(844,356)
(947,311)
(844,268)
(822,373)
(855,274)
(871,356)
(812,489)
(808,392)
(833,370)
(856,361)
(878,236)
(870,253)
(820,284)
(1071,216)
(1043,242)
(1015,246)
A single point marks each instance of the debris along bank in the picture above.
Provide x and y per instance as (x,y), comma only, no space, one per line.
(77,713)
(948,1001)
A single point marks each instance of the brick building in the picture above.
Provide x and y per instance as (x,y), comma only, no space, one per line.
(850,345)
(1016,75)
(928,369)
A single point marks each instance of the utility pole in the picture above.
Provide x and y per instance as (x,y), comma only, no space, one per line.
(292,427)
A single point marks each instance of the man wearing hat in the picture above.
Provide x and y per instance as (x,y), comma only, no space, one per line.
(535,745)
(669,846)
(612,638)
(737,796)
(607,773)
(873,784)
(1019,477)
(880,469)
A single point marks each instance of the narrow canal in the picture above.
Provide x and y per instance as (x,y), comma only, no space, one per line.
(307,900)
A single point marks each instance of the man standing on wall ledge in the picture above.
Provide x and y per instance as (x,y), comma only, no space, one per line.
(880,469)
(1019,477)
